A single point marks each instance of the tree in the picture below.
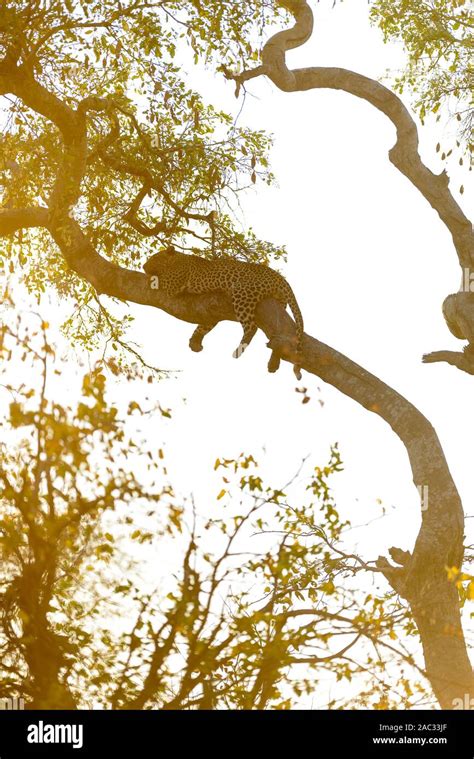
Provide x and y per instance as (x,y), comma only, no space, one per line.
(229,627)
(89,207)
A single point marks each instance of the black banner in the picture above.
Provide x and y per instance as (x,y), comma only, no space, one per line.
(152,734)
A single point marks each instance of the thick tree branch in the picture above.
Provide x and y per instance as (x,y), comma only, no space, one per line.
(14,219)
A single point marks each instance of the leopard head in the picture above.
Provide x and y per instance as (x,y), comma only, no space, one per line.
(161,261)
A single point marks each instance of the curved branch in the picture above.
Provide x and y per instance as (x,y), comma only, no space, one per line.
(131,216)
(404,154)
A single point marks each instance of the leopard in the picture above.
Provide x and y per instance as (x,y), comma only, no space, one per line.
(246,283)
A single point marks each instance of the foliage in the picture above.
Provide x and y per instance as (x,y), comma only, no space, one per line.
(156,130)
(114,595)
(438,37)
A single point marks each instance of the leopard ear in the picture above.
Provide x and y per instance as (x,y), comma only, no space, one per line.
(169,250)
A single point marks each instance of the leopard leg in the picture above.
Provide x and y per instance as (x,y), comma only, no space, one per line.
(195,343)
(249,331)
(244,308)
(274,362)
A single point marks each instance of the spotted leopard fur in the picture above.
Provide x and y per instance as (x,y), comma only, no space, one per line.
(246,283)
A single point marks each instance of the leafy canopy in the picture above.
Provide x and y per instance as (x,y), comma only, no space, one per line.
(163,165)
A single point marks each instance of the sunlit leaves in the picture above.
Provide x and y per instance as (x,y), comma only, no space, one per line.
(438,37)
(135,55)
(263,585)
